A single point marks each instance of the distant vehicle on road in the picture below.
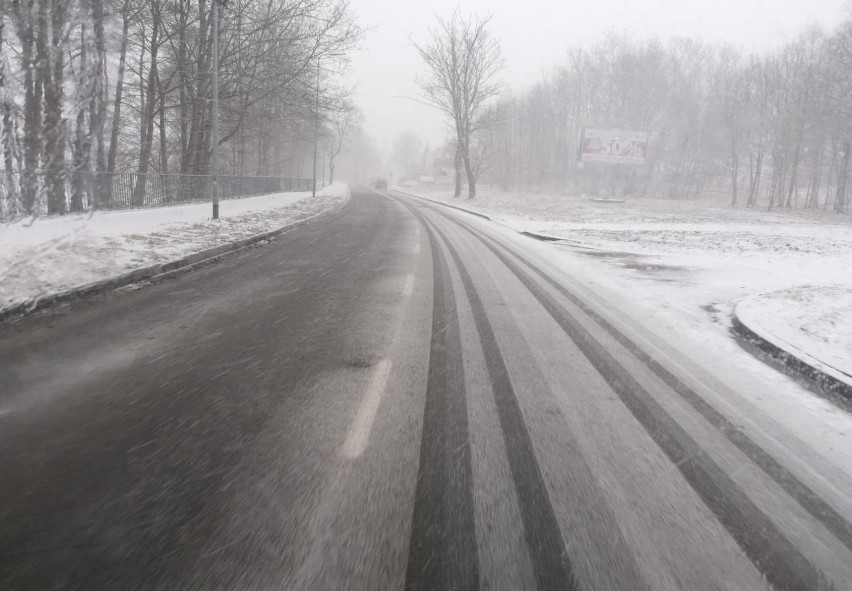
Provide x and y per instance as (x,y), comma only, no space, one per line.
(380,184)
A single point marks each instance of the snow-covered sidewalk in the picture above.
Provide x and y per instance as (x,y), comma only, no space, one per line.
(50,255)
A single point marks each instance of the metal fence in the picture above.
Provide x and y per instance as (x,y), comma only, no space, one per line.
(113,191)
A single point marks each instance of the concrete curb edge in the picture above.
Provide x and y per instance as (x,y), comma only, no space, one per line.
(809,371)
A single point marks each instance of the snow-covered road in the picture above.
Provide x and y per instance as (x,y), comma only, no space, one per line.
(687,265)
(405,396)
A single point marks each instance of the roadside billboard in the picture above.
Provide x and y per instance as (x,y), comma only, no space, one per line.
(615,146)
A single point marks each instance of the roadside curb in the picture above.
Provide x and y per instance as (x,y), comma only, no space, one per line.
(541,237)
(162,270)
(812,371)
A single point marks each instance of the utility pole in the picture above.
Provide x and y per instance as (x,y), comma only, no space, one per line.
(214,157)
(316,128)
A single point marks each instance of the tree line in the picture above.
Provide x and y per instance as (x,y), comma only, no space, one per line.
(771,129)
(108,86)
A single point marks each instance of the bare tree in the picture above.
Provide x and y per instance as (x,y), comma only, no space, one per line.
(50,51)
(464,61)
(25,21)
(8,113)
(115,127)
(98,97)
(730,101)
(149,112)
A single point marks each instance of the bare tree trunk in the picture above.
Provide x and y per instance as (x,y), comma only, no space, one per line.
(468,170)
(842,179)
(182,69)
(97,106)
(7,135)
(735,175)
(53,68)
(756,172)
(194,161)
(812,201)
(164,152)
(262,153)
(150,105)
(458,167)
(777,179)
(79,147)
(793,181)
(119,90)
(832,167)
(25,12)
(240,155)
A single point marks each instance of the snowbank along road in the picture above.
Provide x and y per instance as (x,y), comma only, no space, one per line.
(403,397)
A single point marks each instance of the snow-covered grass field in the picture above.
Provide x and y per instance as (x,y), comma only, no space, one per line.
(48,255)
(689,263)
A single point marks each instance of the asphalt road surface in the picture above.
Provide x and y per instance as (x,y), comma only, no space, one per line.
(399,397)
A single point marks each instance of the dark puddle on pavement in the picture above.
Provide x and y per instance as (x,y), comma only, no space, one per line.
(637,262)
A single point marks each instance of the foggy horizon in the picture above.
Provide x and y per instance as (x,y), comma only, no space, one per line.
(384,70)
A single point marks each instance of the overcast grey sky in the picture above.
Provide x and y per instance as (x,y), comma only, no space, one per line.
(536,33)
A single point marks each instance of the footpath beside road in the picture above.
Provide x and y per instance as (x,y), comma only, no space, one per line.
(51,260)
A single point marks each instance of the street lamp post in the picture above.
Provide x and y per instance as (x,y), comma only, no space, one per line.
(214,157)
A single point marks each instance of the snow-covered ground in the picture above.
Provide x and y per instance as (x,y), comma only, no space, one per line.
(49,255)
(689,263)
(668,275)
(699,261)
